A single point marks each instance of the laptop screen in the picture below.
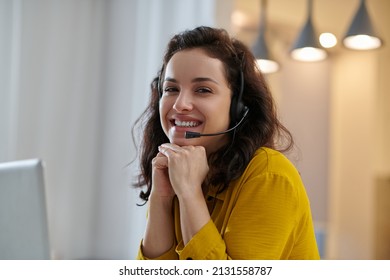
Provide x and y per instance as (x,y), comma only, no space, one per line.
(23,216)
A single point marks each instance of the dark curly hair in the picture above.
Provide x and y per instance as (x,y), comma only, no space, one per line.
(260,128)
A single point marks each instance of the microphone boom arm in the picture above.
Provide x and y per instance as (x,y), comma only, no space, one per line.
(191,134)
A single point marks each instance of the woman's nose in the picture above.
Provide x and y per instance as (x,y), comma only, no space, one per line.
(183,102)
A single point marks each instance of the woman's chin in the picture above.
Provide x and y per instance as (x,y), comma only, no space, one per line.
(183,141)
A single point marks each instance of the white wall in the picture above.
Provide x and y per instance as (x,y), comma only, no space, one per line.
(352,188)
(360,117)
(53,93)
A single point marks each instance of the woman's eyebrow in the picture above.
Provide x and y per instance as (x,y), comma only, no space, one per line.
(195,80)
(169,79)
(204,79)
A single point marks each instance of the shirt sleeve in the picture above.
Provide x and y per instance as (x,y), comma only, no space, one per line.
(207,244)
(169,255)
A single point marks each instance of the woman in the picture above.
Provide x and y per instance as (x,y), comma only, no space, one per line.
(230,194)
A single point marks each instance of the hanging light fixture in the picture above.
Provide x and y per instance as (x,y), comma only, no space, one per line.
(260,50)
(307,47)
(361,34)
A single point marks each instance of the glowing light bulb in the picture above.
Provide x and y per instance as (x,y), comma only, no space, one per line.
(328,40)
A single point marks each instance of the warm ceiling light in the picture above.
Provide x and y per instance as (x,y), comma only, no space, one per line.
(362,42)
(260,50)
(361,34)
(308,54)
(328,40)
(307,47)
(267,66)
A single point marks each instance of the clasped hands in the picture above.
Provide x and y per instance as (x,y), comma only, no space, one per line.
(179,170)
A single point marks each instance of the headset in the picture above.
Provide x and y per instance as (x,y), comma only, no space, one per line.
(238,110)
(237,107)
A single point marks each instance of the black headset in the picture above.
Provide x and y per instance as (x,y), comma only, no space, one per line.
(237,107)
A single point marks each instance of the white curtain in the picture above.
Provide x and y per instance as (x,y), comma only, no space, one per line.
(74,76)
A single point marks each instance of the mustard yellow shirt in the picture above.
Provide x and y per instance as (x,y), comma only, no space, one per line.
(265,214)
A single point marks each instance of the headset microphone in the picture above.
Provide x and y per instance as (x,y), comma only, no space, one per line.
(191,134)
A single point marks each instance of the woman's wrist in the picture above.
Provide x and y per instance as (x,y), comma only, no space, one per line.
(163,200)
(191,194)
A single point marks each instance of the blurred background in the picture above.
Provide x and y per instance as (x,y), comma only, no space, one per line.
(74,77)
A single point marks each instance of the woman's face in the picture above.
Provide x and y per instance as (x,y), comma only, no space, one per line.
(196,97)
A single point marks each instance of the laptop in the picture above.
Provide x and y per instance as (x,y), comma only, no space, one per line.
(23,217)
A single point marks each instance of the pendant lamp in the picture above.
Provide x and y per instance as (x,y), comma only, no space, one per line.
(361,34)
(307,47)
(260,50)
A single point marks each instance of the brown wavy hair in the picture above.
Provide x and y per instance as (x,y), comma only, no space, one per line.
(260,128)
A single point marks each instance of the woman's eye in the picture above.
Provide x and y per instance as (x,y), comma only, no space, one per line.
(203,90)
(170,89)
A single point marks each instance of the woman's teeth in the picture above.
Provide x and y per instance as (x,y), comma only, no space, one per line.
(186,124)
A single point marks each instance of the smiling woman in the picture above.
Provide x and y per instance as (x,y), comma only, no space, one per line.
(192,97)
(233,195)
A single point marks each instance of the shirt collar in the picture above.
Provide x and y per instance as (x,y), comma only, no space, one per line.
(213,193)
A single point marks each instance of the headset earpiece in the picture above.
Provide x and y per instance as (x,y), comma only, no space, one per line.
(159,82)
(159,90)
(237,107)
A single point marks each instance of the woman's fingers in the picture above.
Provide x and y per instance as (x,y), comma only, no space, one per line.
(187,166)
(160,161)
